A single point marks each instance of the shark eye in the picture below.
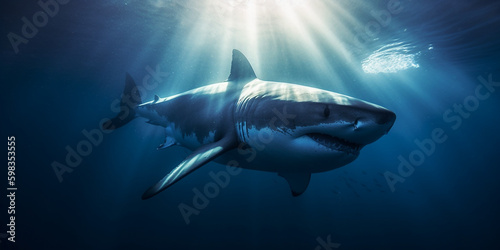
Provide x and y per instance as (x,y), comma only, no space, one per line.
(326,112)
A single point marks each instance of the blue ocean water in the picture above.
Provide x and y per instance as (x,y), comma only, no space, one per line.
(431,183)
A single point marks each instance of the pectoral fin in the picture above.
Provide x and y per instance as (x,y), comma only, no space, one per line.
(197,159)
(169,141)
(298,182)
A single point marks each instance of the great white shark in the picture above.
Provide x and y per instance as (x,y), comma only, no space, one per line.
(289,129)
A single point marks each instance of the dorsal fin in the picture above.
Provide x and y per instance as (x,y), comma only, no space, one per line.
(156,99)
(240,68)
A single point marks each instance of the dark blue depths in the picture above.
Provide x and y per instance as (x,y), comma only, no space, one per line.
(431,183)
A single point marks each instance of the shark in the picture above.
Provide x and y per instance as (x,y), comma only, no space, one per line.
(289,129)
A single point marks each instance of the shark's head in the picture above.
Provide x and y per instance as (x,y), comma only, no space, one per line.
(307,126)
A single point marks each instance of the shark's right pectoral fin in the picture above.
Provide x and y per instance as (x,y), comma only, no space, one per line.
(197,159)
(298,182)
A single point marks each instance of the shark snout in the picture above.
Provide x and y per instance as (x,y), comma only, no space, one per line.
(371,125)
(385,119)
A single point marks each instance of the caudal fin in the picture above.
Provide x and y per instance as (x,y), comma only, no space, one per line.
(131,98)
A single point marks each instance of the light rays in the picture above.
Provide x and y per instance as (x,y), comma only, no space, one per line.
(249,25)
(313,39)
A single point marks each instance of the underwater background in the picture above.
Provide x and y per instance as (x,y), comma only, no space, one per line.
(431,183)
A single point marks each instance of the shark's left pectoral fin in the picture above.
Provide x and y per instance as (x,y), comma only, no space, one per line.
(298,182)
(197,159)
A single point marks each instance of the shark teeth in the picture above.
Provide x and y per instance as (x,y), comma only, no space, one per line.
(336,143)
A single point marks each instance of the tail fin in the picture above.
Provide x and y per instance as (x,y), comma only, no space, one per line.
(131,98)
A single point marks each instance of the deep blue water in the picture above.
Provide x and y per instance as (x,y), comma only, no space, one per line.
(423,62)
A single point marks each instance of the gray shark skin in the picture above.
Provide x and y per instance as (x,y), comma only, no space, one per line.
(289,129)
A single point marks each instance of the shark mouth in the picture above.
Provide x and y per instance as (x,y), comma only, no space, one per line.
(336,143)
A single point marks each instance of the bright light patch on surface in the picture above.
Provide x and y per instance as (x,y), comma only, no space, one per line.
(390,58)
(391,63)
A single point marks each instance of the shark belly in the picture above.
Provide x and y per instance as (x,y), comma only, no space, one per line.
(270,151)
